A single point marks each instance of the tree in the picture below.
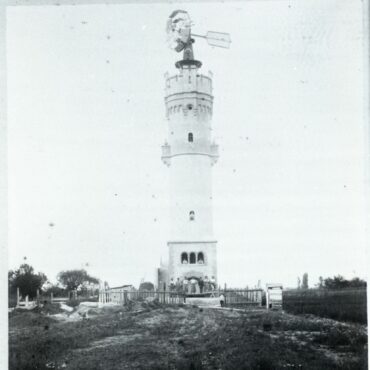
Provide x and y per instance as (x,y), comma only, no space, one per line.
(305,281)
(55,289)
(26,280)
(75,279)
(298,283)
(339,282)
(357,283)
(321,282)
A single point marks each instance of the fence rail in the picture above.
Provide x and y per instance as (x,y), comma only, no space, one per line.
(122,297)
(252,297)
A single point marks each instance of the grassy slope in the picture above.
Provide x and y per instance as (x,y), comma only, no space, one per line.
(185,338)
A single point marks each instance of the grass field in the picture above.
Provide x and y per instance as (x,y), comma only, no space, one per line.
(150,336)
(343,304)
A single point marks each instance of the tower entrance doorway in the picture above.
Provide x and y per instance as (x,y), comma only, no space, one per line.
(193,285)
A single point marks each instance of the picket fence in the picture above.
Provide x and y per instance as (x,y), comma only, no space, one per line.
(249,297)
(122,296)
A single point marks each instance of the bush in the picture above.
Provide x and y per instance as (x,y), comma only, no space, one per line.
(56,290)
(73,303)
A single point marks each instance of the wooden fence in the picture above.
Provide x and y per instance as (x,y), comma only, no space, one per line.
(122,296)
(17,300)
(249,297)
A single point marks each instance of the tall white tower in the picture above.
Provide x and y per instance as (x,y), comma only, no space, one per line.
(190,154)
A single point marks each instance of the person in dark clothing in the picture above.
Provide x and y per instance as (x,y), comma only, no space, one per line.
(201,285)
(222,300)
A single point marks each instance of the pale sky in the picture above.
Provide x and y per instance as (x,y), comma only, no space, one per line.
(86,122)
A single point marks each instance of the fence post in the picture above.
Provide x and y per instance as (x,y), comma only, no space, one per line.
(38,296)
(27,301)
(18,297)
(51,297)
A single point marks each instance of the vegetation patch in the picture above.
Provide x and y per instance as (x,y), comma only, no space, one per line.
(173,337)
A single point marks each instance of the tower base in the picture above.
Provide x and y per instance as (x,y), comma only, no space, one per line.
(192,260)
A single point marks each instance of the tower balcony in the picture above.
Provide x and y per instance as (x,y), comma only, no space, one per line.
(169,152)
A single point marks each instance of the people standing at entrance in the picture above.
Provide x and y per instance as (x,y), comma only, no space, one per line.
(178,285)
(213,283)
(206,284)
(193,282)
(172,285)
(201,285)
(185,285)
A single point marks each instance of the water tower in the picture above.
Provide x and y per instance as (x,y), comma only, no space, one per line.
(190,153)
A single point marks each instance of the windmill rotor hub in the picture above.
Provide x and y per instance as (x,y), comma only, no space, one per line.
(179,38)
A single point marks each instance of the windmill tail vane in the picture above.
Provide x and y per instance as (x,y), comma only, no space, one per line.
(218,39)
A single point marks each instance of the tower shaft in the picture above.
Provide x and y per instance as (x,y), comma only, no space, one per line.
(190,154)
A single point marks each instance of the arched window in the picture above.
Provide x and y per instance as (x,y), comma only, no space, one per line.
(190,137)
(200,258)
(191,215)
(184,258)
(192,257)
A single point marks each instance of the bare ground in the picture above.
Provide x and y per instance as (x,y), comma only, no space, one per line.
(150,336)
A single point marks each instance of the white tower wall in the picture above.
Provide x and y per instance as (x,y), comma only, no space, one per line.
(190,155)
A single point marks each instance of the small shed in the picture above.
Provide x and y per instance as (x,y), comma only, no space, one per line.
(274,296)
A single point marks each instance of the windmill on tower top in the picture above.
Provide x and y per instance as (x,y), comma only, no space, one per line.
(180,37)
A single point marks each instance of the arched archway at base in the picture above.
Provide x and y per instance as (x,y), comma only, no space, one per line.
(193,278)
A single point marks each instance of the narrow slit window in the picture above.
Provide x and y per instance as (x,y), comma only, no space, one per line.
(190,137)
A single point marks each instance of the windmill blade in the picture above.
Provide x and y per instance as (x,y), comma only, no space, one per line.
(218,39)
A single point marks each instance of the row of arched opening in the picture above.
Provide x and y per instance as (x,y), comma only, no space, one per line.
(180,108)
(192,258)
